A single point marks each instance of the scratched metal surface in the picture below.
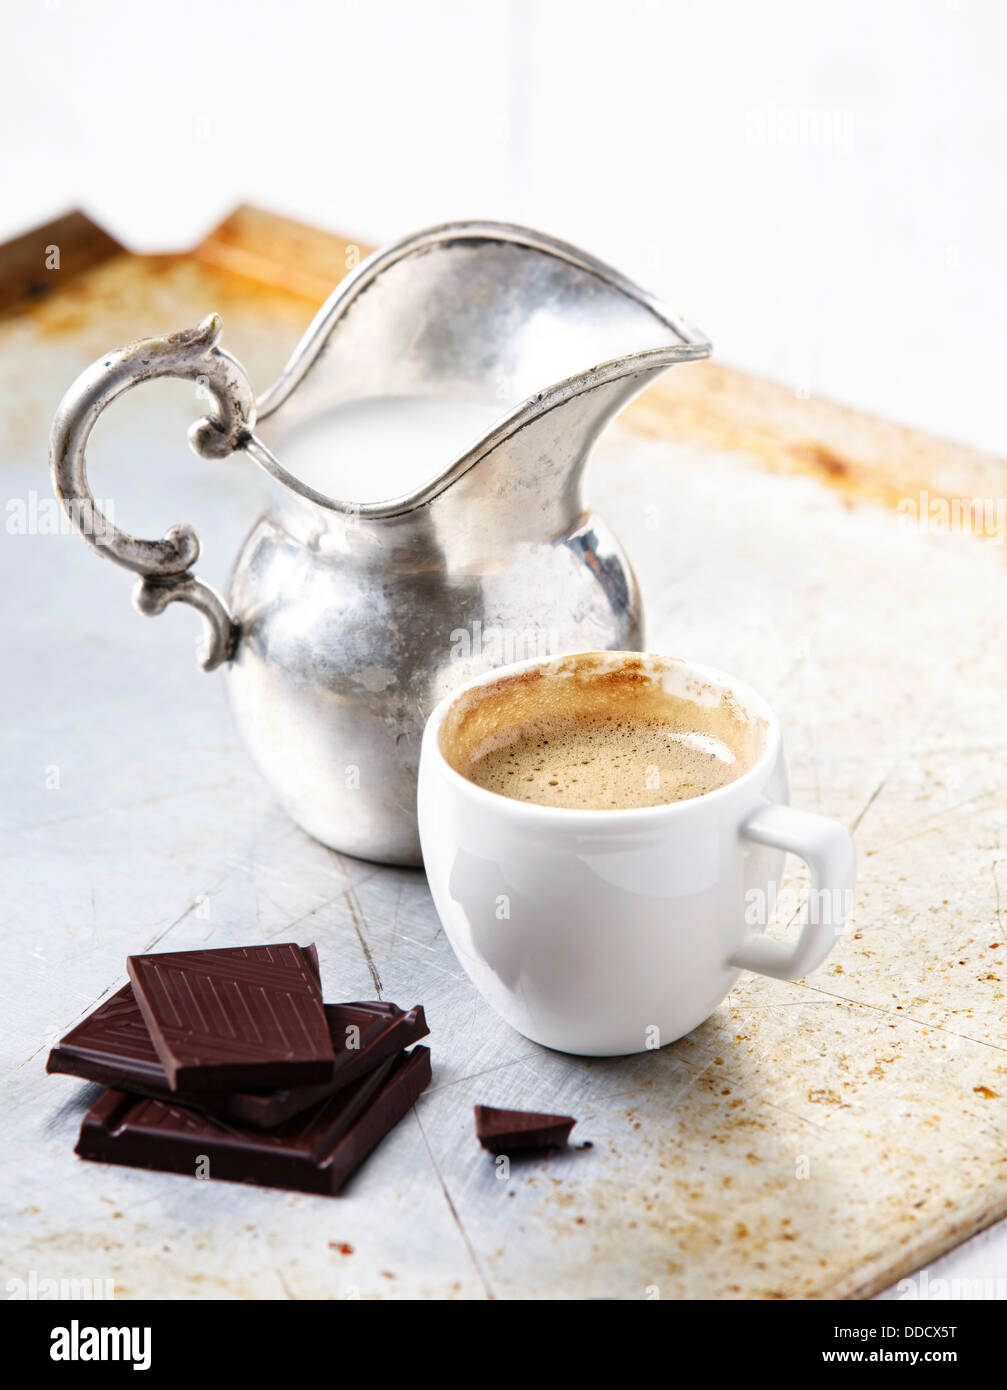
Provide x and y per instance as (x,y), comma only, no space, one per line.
(812,1139)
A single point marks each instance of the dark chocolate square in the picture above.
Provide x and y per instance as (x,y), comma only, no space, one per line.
(234,1018)
(314,1152)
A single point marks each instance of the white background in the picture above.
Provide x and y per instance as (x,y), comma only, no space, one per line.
(819,186)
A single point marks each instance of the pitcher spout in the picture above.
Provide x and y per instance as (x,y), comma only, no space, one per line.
(491,357)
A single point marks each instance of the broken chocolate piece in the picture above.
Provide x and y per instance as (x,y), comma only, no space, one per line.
(511,1131)
(315,1152)
(112,1046)
(248,1017)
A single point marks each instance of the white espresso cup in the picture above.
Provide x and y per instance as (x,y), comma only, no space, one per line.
(603,932)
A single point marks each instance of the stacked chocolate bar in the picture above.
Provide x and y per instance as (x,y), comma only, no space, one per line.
(227,1064)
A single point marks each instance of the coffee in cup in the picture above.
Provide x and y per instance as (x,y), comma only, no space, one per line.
(597,739)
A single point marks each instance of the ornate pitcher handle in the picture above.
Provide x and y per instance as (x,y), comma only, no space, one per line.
(163,566)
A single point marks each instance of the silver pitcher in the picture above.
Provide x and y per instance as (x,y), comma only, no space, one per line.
(346,622)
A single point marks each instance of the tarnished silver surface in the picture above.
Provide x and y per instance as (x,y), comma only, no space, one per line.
(349,621)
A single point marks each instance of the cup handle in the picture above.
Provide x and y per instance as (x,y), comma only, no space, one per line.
(830,853)
(164,566)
